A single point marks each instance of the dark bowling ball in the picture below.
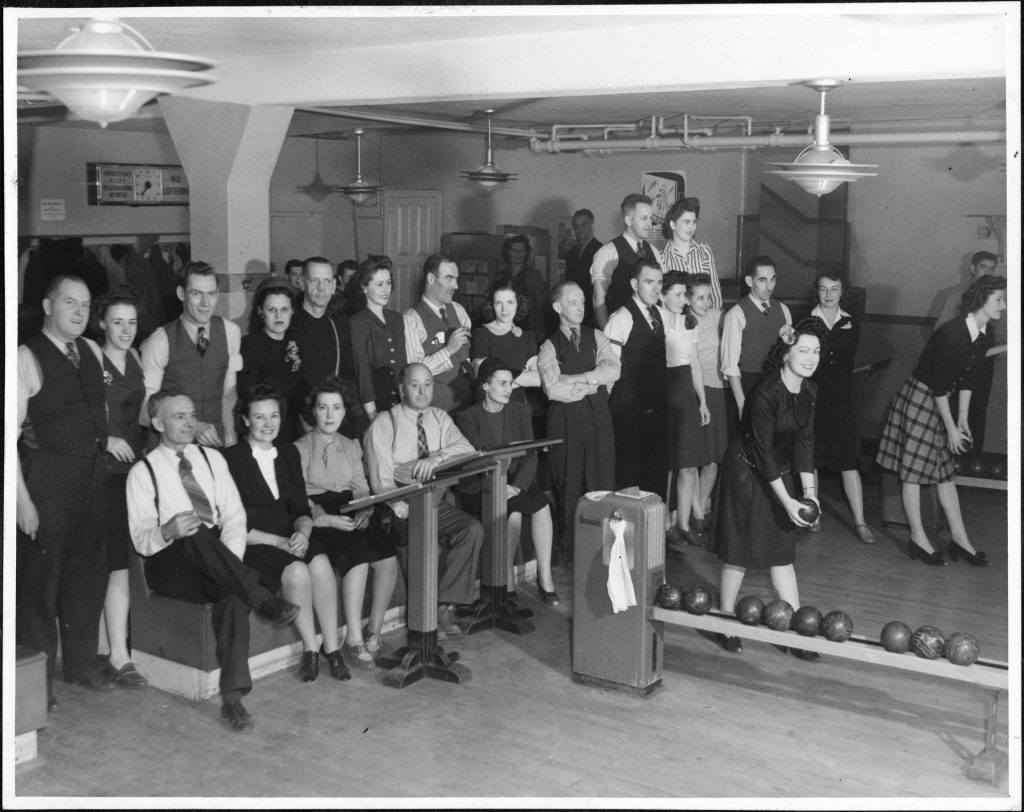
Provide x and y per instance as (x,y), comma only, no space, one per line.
(962,649)
(669,596)
(928,642)
(806,621)
(697,600)
(837,626)
(975,467)
(749,609)
(967,445)
(896,637)
(777,615)
(810,512)
(997,469)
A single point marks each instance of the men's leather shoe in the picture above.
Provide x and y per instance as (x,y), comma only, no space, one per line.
(95,679)
(731,644)
(278,611)
(309,666)
(336,665)
(446,621)
(237,717)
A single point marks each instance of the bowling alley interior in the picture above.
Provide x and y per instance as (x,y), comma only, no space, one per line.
(255,136)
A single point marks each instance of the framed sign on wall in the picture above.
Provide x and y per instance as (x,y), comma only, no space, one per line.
(136,185)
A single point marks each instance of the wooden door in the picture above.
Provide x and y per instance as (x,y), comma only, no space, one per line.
(412,232)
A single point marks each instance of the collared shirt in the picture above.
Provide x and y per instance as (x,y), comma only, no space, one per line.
(392,451)
(156,351)
(144,520)
(265,461)
(973,328)
(620,325)
(680,343)
(30,376)
(331,464)
(698,259)
(416,334)
(732,334)
(605,373)
(707,348)
(607,257)
(817,312)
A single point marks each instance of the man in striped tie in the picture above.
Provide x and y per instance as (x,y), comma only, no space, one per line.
(185,516)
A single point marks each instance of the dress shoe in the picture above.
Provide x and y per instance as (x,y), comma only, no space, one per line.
(512,597)
(357,655)
(446,621)
(699,526)
(95,679)
(550,598)
(680,536)
(278,611)
(51,701)
(806,656)
(865,534)
(237,717)
(731,644)
(126,676)
(309,666)
(372,641)
(336,665)
(931,559)
(977,559)
(815,527)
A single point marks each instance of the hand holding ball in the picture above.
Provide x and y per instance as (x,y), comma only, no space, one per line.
(810,512)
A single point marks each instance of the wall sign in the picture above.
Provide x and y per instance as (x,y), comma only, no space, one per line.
(137,185)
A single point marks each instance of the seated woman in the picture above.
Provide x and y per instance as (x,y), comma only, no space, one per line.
(282,543)
(502,338)
(494,420)
(332,465)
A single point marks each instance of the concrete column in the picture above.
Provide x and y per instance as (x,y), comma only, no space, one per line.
(229,152)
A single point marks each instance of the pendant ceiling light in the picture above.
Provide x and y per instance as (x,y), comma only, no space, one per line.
(106,70)
(316,188)
(821,168)
(488,176)
(359,190)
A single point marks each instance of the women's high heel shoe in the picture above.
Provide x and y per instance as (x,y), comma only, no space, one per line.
(931,559)
(974,559)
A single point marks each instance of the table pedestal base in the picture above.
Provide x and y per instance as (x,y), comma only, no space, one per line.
(422,657)
(495,611)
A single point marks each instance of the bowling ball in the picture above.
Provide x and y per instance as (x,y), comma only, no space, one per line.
(962,649)
(669,596)
(896,637)
(777,615)
(967,445)
(806,621)
(749,609)
(997,470)
(810,512)
(697,600)
(927,642)
(837,626)
(975,467)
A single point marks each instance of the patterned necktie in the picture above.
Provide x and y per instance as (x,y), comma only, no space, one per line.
(656,324)
(202,342)
(641,249)
(444,314)
(574,336)
(72,354)
(766,308)
(195,492)
(422,449)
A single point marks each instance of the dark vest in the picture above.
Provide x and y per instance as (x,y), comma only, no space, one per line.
(759,335)
(68,414)
(642,380)
(451,387)
(577,269)
(201,377)
(572,362)
(619,290)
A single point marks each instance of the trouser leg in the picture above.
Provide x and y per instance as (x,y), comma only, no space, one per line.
(460,537)
(231,628)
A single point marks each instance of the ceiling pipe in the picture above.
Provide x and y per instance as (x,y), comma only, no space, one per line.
(411,121)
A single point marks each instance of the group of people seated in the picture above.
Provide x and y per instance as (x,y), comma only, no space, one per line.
(257,443)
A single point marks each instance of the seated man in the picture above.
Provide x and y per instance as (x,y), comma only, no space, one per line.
(403,446)
(186,518)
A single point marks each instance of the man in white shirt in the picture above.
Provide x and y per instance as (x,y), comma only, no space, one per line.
(610,269)
(404,445)
(437,331)
(185,516)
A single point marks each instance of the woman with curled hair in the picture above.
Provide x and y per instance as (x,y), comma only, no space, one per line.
(756,513)
(502,338)
(532,291)
(921,433)
(683,252)
(282,542)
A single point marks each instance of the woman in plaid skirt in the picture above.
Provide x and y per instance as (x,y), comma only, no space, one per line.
(921,435)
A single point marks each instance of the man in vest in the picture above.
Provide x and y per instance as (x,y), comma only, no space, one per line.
(610,269)
(61,489)
(637,402)
(577,365)
(750,328)
(199,354)
(581,257)
(185,516)
(404,445)
(437,333)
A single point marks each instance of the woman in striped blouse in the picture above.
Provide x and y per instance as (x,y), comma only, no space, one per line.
(683,252)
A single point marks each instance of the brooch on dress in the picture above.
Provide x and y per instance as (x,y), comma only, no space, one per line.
(108,378)
(291,356)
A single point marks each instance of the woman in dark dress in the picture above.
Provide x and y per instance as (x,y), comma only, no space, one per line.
(921,435)
(503,339)
(269,351)
(282,543)
(496,420)
(332,465)
(756,512)
(532,292)
(118,315)
(835,426)
(378,338)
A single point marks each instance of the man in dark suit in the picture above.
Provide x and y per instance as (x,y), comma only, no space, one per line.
(580,258)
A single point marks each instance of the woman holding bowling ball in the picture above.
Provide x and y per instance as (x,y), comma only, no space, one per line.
(921,434)
(756,514)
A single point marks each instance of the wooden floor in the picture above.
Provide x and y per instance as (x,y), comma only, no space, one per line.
(759,725)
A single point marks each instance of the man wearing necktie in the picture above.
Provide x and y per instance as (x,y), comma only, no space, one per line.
(612,263)
(750,328)
(199,354)
(186,518)
(581,257)
(637,402)
(61,489)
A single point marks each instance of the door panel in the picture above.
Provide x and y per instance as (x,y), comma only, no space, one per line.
(412,232)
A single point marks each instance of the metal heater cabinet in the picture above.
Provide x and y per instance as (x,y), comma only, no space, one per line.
(618,650)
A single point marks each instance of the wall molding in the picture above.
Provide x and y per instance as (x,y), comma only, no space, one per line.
(898,318)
